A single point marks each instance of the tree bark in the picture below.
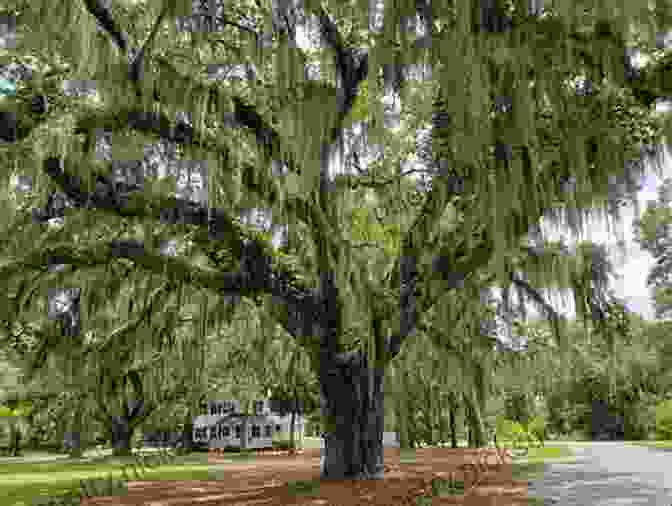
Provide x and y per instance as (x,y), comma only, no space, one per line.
(352,405)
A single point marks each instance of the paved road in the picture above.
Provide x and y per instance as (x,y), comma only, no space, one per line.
(608,474)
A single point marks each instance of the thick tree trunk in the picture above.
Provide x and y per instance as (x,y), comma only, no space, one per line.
(121,432)
(352,406)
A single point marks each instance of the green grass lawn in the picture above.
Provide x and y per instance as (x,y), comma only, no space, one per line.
(22,482)
(548,452)
(22,489)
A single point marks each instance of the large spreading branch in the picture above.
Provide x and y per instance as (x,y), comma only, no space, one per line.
(255,276)
(215,225)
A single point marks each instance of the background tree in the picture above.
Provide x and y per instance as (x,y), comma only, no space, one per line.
(624,371)
(652,234)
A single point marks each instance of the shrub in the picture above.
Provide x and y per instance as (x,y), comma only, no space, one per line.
(512,432)
(664,420)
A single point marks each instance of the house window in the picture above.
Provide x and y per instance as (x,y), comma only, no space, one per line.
(226,430)
(213,410)
(237,431)
(277,428)
(268,430)
(258,406)
(256,431)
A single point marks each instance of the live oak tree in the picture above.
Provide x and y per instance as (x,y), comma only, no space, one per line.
(511,138)
(651,232)
(624,368)
(124,364)
(36,424)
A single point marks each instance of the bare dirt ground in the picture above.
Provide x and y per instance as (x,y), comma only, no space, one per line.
(271,480)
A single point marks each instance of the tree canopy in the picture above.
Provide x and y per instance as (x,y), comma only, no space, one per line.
(511,136)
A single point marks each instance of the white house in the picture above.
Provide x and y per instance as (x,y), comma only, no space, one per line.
(224,425)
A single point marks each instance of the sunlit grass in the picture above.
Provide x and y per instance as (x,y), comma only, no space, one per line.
(22,483)
(548,452)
